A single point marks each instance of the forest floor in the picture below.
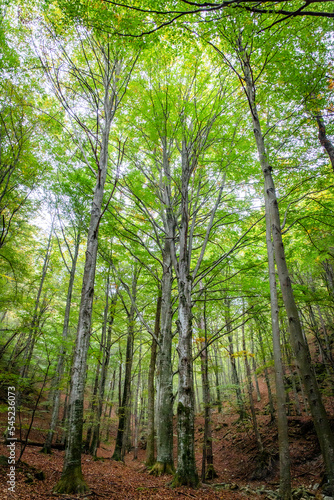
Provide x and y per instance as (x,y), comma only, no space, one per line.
(234,461)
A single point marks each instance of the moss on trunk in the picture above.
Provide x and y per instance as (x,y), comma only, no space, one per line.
(72,482)
(191,480)
(160,468)
(210,472)
(46,449)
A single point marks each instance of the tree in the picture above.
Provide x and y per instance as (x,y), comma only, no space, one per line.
(99,80)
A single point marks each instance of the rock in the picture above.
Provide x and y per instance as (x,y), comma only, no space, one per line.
(226,486)
(29,478)
(39,474)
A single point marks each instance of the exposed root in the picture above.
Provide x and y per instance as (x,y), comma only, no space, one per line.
(265,465)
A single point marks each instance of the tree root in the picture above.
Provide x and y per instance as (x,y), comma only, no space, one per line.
(265,465)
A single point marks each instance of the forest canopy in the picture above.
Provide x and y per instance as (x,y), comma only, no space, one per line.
(166,225)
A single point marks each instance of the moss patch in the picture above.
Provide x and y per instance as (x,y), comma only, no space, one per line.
(161,468)
(72,482)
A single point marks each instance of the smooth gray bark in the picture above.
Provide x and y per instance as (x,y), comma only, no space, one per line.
(109,316)
(216,370)
(254,368)
(124,409)
(266,376)
(250,394)
(282,421)
(299,343)
(109,67)
(186,466)
(235,377)
(208,471)
(150,447)
(164,375)
(165,458)
(136,415)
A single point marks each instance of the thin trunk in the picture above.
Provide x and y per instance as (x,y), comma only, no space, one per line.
(197,399)
(136,417)
(324,141)
(120,384)
(208,471)
(104,368)
(124,409)
(300,346)
(92,407)
(165,459)
(329,277)
(61,358)
(36,317)
(72,480)
(266,377)
(150,448)
(254,369)
(216,370)
(4,347)
(64,418)
(250,394)
(111,398)
(235,376)
(282,421)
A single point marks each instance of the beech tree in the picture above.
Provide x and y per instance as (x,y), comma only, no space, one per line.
(207,165)
(99,84)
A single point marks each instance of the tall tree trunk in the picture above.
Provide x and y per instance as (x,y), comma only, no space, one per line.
(208,471)
(92,406)
(216,370)
(164,405)
(36,316)
(150,448)
(136,416)
(235,376)
(124,409)
(110,404)
(186,473)
(64,417)
(104,368)
(61,358)
(250,394)
(266,377)
(282,421)
(72,480)
(299,343)
(254,368)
